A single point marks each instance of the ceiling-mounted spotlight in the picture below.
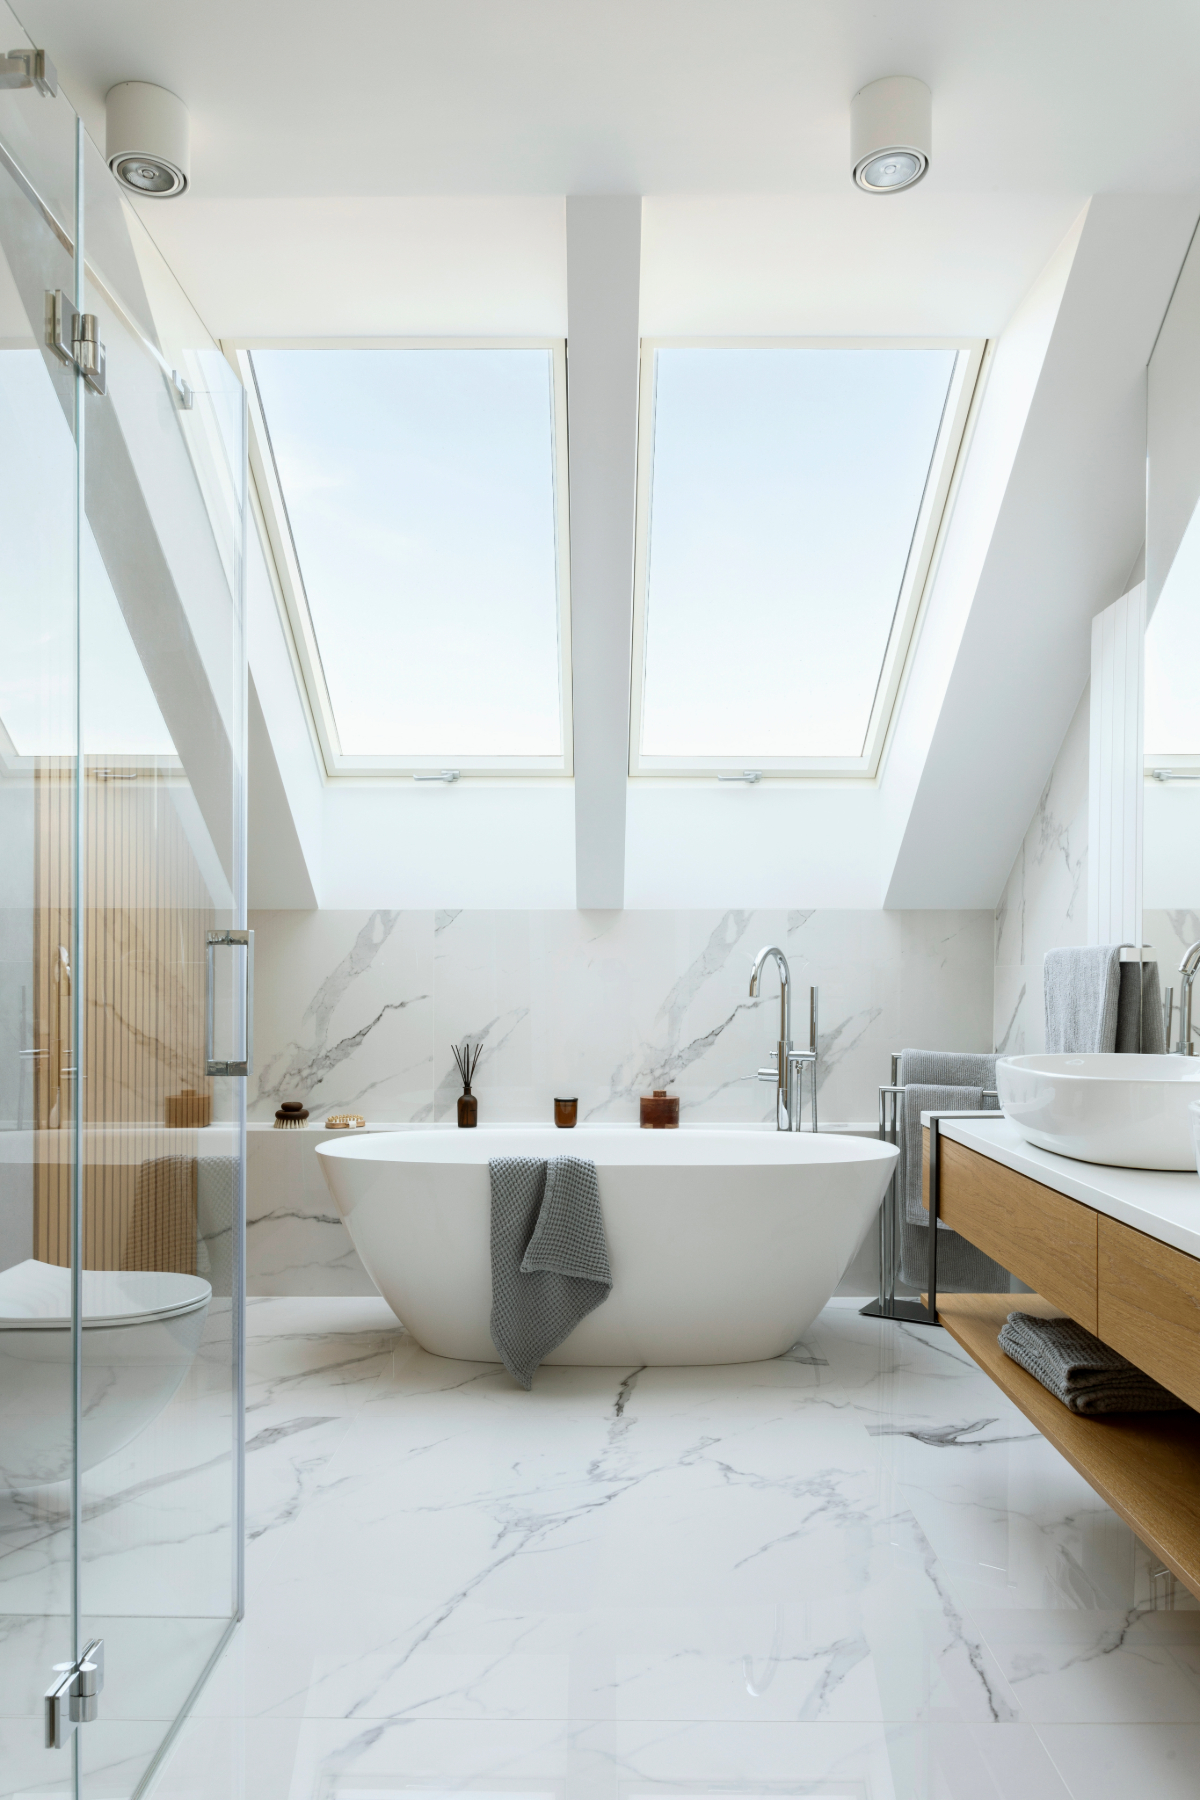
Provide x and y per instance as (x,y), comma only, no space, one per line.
(891,134)
(146,140)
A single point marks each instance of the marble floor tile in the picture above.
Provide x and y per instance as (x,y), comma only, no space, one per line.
(1115,1762)
(852,1572)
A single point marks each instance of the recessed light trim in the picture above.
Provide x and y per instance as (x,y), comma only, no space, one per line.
(891,171)
(150,177)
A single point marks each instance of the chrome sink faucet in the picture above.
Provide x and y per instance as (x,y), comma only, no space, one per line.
(788,1071)
(1188,968)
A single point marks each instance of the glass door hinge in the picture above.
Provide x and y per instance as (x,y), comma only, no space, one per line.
(74,338)
(73,1697)
(29,68)
(184,397)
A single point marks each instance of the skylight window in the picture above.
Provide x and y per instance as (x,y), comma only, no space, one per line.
(790,500)
(422,516)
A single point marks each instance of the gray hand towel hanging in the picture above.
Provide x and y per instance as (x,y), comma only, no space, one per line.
(550,1263)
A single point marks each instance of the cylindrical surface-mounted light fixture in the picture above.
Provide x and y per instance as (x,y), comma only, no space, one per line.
(146,140)
(891,134)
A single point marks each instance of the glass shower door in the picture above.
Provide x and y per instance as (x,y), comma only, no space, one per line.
(162,908)
(38,928)
(124,970)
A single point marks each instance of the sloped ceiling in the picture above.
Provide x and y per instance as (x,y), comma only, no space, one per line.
(1063,546)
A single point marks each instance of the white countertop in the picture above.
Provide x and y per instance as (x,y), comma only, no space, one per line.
(1160,1202)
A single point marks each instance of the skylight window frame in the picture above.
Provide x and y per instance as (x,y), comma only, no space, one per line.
(282,550)
(946,465)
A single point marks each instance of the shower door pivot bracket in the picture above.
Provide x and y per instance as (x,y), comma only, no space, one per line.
(29,68)
(74,1696)
(215,940)
(74,338)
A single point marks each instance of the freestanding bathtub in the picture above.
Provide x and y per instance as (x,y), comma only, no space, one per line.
(724,1244)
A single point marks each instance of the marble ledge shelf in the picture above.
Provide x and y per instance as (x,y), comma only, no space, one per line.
(853,1127)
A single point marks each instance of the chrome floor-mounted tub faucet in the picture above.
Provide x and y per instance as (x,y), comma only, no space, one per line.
(788,1072)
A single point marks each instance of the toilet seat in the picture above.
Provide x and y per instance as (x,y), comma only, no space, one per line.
(36,1296)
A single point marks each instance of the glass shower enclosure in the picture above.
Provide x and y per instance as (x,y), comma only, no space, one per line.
(124,969)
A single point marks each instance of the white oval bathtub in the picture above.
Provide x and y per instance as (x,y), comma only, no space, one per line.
(724,1245)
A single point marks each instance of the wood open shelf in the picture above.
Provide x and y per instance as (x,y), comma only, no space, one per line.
(1146,1466)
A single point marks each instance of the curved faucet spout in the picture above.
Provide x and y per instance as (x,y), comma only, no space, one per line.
(785,987)
(1188,968)
(783,1097)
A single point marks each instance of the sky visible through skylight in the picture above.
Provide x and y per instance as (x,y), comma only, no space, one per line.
(786,486)
(419,486)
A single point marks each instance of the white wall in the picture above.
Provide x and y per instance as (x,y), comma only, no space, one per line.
(771,844)
(428,845)
(1044,903)
(1116,782)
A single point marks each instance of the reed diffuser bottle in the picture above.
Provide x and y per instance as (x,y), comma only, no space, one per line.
(466,1060)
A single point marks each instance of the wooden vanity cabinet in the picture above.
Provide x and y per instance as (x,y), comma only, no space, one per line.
(1149,1306)
(1135,1293)
(1037,1234)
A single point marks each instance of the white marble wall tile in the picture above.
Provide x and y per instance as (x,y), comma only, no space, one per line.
(1044,903)
(481,979)
(343,1013)
(295,1241)
(359,1010)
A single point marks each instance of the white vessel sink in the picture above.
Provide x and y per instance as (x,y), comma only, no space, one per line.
(1130,1112)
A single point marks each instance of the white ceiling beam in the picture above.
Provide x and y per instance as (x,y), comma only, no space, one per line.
(278,875)
(604,236)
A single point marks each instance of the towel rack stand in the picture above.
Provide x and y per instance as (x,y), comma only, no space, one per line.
(888,1304)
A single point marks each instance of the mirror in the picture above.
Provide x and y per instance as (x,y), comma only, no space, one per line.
(1171,821)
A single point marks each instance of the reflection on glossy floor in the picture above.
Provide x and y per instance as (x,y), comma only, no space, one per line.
(853,1572)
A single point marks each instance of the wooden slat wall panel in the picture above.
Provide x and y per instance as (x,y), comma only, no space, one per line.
(146,910)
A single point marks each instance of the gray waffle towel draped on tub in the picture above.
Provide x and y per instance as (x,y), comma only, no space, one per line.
(941,1081)
(549,1255)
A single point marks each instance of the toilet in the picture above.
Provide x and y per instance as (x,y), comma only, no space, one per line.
(141,1332)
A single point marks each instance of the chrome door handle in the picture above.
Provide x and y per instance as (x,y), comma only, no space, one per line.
(213,941)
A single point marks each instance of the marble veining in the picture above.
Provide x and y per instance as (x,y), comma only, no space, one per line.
(854,1570)
(358,1011)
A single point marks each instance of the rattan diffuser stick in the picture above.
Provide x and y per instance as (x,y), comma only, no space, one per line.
(466,1060)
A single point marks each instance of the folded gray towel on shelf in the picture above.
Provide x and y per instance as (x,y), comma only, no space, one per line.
(550,1263)
(1082,989)
(1086,1375)
(1139,1011)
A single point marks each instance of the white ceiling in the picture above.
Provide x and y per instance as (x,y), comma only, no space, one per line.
(373,97)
